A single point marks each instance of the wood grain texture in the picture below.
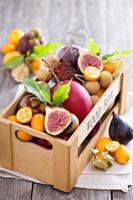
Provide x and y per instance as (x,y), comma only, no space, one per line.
(116,195)
(11,189)
(110,23)
(120,30)
(41,192)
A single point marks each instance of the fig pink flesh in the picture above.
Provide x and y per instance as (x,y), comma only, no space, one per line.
(89,60)
(79,101)
(57,120)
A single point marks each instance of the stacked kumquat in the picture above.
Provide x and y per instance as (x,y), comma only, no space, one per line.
(107,150)
(25,116)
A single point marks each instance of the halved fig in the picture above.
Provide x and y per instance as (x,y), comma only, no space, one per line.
(88,59)
(56,120)
(73,125)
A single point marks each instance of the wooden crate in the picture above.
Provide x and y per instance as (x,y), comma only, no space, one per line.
(61,165)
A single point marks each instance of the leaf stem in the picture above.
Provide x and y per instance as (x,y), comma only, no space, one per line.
(78,77)
(52,71)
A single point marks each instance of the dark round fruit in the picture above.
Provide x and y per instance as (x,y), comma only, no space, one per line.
(24,44)
(27,42)
(69,54)
(65,136)
(120,130)
(42,142)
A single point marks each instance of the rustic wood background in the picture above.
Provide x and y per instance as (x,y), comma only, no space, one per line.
(109,22)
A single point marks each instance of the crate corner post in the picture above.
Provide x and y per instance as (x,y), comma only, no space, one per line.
(123,92)
(5,144)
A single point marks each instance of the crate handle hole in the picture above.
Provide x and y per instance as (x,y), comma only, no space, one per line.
(25,137)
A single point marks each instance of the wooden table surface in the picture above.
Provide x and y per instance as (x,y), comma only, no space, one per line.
(109,22)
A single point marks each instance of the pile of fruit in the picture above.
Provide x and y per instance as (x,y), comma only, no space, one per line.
(114,147)
(69,82)
(22,53)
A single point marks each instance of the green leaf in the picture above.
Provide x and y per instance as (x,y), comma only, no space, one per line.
(31,57)
(45,92)
(93,47)
(61,94)
(107,56)
(42,92)
(43,50)
(14,62)
(117,54)
(123,53)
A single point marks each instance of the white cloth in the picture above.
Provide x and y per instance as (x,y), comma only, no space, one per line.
(117,177)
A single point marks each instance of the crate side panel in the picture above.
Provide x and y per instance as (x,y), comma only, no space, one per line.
(32,160)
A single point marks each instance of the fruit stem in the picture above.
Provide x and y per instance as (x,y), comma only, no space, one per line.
(52,71)
(67,49)
(77,76)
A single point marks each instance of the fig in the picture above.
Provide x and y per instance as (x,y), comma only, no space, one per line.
(69,54)
(56,120)
(87,59)
(73,125)
(42,142)
(79,102)
(64,136)
(120,130)
(64,71)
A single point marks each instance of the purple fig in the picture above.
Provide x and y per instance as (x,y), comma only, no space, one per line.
(120,130)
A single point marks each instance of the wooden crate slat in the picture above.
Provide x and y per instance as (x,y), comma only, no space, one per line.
(98,110)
